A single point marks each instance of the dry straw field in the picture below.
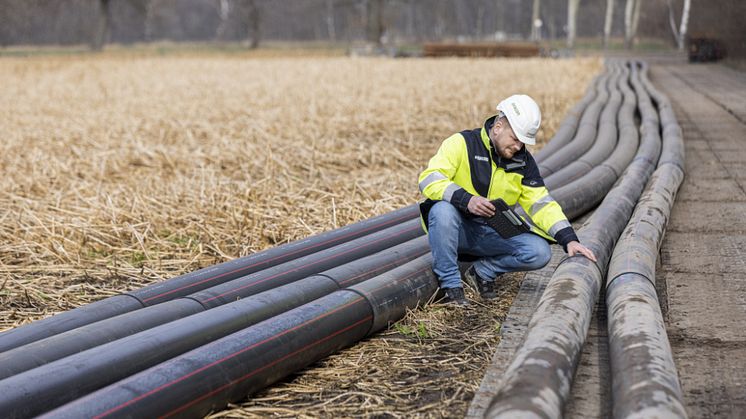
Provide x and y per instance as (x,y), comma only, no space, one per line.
(122,170)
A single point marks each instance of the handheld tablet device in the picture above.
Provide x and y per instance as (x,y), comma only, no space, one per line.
(505,221)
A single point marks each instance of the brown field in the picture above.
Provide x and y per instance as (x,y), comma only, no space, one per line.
(119,171)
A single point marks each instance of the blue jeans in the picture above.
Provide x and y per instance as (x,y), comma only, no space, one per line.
(450,233)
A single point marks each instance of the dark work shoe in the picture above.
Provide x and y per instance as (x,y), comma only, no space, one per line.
(455,296)
(485,287)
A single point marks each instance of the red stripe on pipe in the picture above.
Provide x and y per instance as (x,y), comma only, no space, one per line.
(238,380)
(291,270)
(394,221)
(216,362)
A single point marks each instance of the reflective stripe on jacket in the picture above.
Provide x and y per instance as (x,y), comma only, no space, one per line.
(467,165)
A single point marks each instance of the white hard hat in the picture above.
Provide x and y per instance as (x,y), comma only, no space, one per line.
(524,117)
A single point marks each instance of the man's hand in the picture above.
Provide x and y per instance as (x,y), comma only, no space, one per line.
(574,248)
(481,206)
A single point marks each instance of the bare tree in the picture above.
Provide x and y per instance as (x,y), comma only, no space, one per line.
(535,21)
(253,21)
(631,19)
(636,17)
(607,21)
(411,32)
(101,28)
(374,26)
(330,30)
(149,7)
(224,10)
(479,25)
(680,34)
(572,12)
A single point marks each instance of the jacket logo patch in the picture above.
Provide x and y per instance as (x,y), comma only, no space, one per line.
(533,183)
(481,158)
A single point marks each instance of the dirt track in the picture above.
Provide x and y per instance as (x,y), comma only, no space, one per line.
(703,260)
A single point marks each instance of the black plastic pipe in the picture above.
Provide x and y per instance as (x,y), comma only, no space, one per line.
(569,125)
(228,369)
(606,140)
(582,194)
(197,280)
(538,380)
(58,346)
(584,136)
(41,389)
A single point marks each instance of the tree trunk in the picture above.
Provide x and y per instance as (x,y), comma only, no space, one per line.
(635,20)
(535,21)
(479,23)
(101,28)
(148,16)
(254,22)
(224,9)
(411,13)
(374,21)
(330,28)
(628,12)
(607,21)
(684,24)
(572,12)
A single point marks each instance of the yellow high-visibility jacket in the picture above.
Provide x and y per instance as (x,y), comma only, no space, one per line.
(466,165)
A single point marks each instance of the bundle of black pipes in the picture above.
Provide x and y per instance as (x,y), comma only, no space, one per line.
(569,125)
(606,138)
(584,136)
(196,281)
(54,383)
(538,380)
(390,295)
(644,377)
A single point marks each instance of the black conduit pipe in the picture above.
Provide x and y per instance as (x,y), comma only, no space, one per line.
(569,124)
(54,384)
(209,377)
(198,280)
(606,140)
(584,193)
(55,347)
(538,380)
(644,377)
(585,135)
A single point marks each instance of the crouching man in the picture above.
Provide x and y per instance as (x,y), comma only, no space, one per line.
(474,167)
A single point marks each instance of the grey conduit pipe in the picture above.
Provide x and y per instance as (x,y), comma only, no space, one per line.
(584,193)
(209,377)
(606,140)
(44,388)
(61,345)
(569,124)
(538,379)
(194,281)
(585,135)
(645,382)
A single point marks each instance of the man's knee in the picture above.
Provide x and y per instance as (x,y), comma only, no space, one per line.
(443,214)
(536,256)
